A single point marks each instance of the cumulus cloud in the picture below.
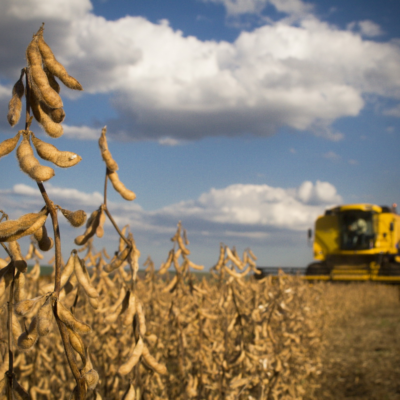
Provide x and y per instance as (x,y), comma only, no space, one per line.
(366,28)
(67,197)
(169,142)
(259,216)
(257,205)
(246,207)
(81,132)
(239,7)
(164,84)
(318,194)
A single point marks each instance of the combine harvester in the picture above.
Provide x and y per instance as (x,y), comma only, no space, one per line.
(357,242)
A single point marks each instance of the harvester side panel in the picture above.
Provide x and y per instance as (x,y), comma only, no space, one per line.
(326,239)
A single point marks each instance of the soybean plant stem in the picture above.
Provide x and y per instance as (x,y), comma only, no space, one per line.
(57,239)
(109,215)
(57,282)
(10,372)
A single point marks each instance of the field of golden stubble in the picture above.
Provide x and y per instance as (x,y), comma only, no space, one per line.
(361,346)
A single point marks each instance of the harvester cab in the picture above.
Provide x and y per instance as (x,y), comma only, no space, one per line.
(356,242)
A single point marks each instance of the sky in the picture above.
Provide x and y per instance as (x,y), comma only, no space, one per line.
(243,119)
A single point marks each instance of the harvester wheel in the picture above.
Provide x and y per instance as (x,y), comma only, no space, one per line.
(389,269)
(318,268)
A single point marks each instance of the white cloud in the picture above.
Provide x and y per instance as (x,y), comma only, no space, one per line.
(293,7)
(250,206)
(5,92)
(81,132)
(58,193)
(393,112)
(320,193)
(169,142)
(33,9)
(256,215)
(304,75)
(238,7)
(258,205)
(366,28)
(331,155)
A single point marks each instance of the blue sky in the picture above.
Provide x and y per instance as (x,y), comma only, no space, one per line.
(243,119)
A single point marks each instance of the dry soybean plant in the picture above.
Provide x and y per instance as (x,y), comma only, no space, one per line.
(169,335)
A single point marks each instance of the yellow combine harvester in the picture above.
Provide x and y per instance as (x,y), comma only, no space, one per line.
(357,242)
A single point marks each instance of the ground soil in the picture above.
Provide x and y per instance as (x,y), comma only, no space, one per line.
(361,359)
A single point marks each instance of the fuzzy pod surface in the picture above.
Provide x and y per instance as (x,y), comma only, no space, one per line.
(30,165)
(49,95)
(63,159)
(55,67)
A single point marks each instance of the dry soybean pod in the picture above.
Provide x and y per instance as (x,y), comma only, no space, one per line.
(17,257)
(45,318)
(23,307)
(236,274)
(89,373)
(77,344)
(234,259)
(63,159)
(91,378)
(8,145)
(171,285)
(68,318)
(83,278)
(35,272)
(12,226)
(53,129)
(127,367)
(102,220)
(141,318)
(65,274)
(15,104)
(29,164)
(45,242)
(120,187)
(105,153)
(75,218)
(130,311)
(118,261)
(164,267)
(182,246)
(121,296)
(20,292)
(30,253)
(152,362)
(56,68)
(26,225)
(91,226)
(130,393)
(49,95)
(57,115)
(28,339)
(52,80)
